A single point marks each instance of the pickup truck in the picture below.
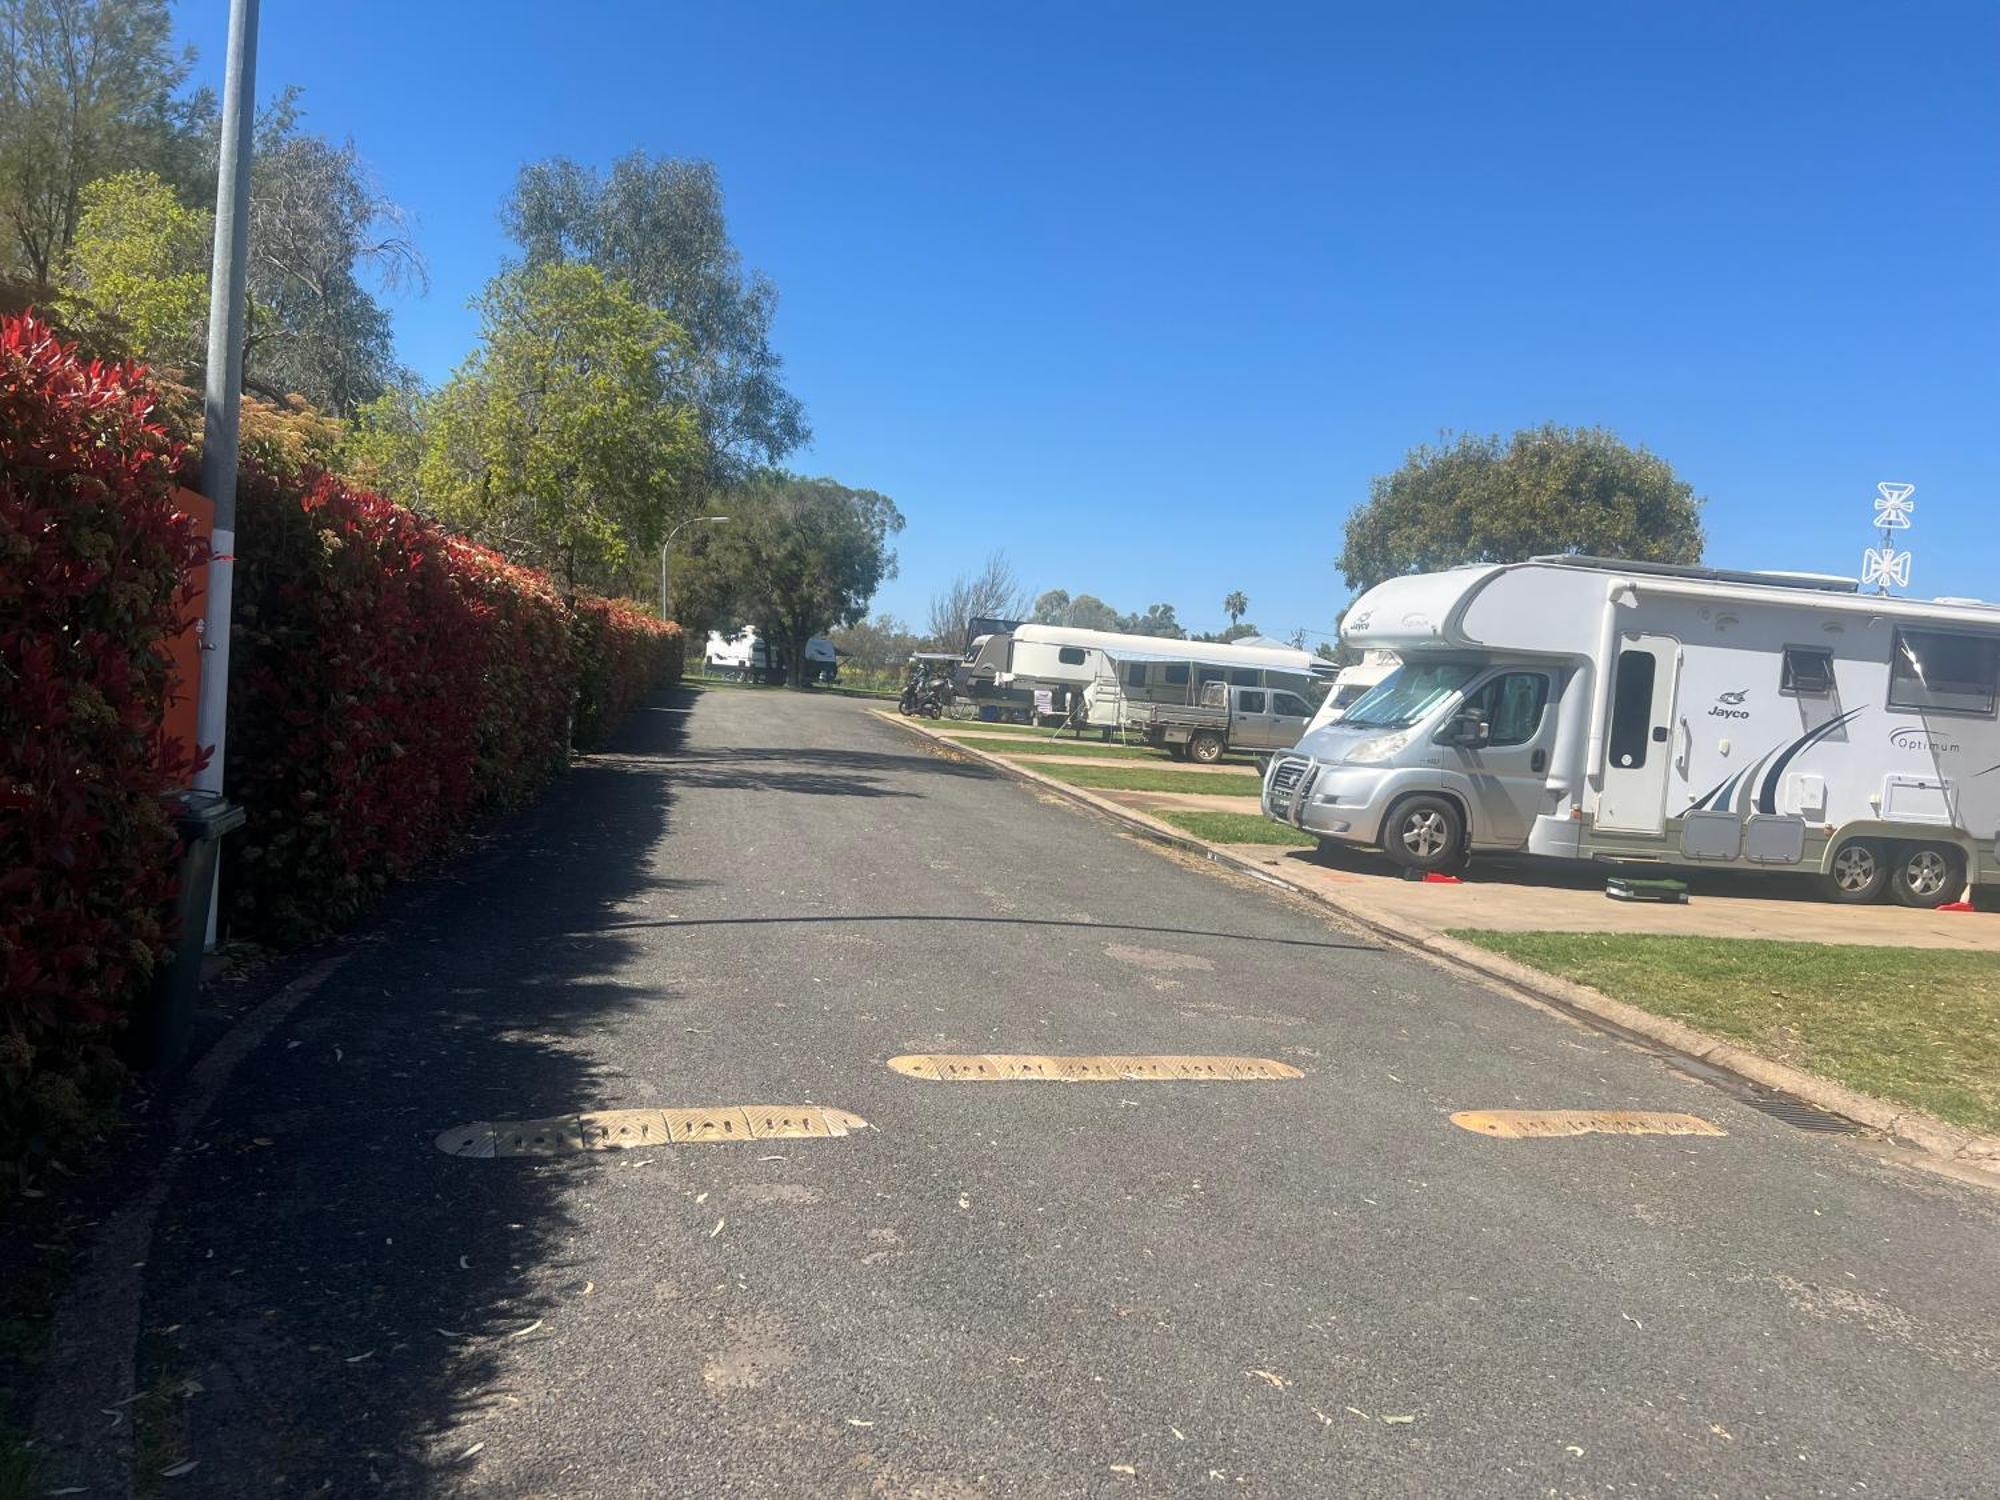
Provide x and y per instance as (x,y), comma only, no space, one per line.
(1259,720)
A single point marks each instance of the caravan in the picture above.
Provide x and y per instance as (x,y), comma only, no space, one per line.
(745,657)
(1593,709)
(1093,677)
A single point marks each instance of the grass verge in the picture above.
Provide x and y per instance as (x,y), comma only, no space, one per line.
(1146,779)
(1918,1026)
(1237,828)
(1143,755)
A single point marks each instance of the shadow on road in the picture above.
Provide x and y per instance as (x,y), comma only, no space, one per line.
(947,919)
(335,1288)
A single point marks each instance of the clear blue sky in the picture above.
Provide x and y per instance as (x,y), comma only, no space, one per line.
(1145,293)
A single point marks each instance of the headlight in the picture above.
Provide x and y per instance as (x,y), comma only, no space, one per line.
(1373,752)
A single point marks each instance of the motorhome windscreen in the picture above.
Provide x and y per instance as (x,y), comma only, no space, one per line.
(1408,694)
(1950,673)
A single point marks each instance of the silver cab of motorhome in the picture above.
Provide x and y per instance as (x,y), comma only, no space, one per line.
(1597,709)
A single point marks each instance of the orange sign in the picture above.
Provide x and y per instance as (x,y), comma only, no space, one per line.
(184,651)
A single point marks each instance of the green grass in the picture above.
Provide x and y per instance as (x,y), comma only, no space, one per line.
(1918,1026)
(1238,828)
(1143,755)
(1147,779)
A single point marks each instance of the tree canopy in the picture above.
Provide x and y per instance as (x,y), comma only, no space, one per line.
(136,276)
(1545,490)
(88,88)
(991,593)
(564,439)
(1088,612)
(657,224)
(799,557)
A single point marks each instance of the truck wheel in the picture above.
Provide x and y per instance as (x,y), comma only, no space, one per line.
(1859,871)
(1205,747)
(1424,833)
(1926,875)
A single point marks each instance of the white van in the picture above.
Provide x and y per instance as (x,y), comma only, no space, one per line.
(1592,709)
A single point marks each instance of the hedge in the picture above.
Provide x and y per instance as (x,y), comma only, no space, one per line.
(390,685)
(92,559)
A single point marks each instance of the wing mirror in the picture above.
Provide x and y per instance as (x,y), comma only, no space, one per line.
(1468,729)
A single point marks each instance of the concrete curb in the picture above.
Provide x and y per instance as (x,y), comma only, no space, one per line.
(1906,1127)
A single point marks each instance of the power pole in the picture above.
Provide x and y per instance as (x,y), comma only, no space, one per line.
(222,402)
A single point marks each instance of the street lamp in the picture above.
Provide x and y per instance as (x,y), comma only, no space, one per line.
(667,546)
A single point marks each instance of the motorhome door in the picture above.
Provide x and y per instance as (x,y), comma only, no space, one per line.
(1638,746)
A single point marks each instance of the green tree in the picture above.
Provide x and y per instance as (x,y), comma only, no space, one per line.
(1545,490)
(1157,620)
(87,88)
(323,241)
(877,648)
(801,557)
(384,445)
(564,440)
(1236,606)
(1083,612)
(136,277)
(657,223)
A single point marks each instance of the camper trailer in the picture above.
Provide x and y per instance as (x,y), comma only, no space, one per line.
(1093,677)
(745,657)
(1595,709)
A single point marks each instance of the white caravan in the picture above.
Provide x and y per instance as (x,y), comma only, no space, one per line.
(745,656)
(1352,682)
(1594,709)
(1091,676)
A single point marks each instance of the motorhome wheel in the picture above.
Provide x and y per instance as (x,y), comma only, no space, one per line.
(1858,873)
(1205,746)
(1925,875)
(1424,833)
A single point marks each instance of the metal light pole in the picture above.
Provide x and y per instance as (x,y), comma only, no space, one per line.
(222,401)
(667,546)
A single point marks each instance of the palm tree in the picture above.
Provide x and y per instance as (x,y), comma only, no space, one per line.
(1236,606)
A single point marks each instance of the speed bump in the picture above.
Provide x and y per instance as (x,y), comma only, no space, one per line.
(1028,1067)
(1525,1124)
(628,1129)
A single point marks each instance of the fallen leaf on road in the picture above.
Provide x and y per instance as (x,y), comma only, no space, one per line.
(1324,1418)
(700,1198)
(589,1287)
(1399,1419)
(718,1226)
(465,1263)
(176,1471)
(770,1158)
(1123,1469)
(522,1332)
(1276,1382)
(453,1333)
(470,1451)
(1633,1321)
(963,1201)
(260,1140)
(1359,1412)
(355,1359)
(857,1422)
(1179,1436)
(1720,1431)
(1573,1451)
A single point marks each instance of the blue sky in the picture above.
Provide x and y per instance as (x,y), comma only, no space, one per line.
(1145,293)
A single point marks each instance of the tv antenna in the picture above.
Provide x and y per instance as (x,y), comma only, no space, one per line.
(1885,564)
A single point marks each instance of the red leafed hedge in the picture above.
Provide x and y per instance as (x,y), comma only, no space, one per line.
(92,561)
(389,684)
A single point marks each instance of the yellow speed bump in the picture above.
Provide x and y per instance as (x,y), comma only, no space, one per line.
(1524,1124)
(1024,1067)
(627,1129)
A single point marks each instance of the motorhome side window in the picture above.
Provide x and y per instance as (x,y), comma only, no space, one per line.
(1070,656)
(1808,671)
(1245,677)
(1956,674)
(1175,674)
(1135,674)
(1206,675)
(1631,709)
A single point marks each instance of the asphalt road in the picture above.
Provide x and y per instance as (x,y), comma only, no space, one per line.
(1301,1288)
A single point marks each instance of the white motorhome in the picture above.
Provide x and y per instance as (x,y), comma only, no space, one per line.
(745,656)
(1092,676)
(1595,709)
